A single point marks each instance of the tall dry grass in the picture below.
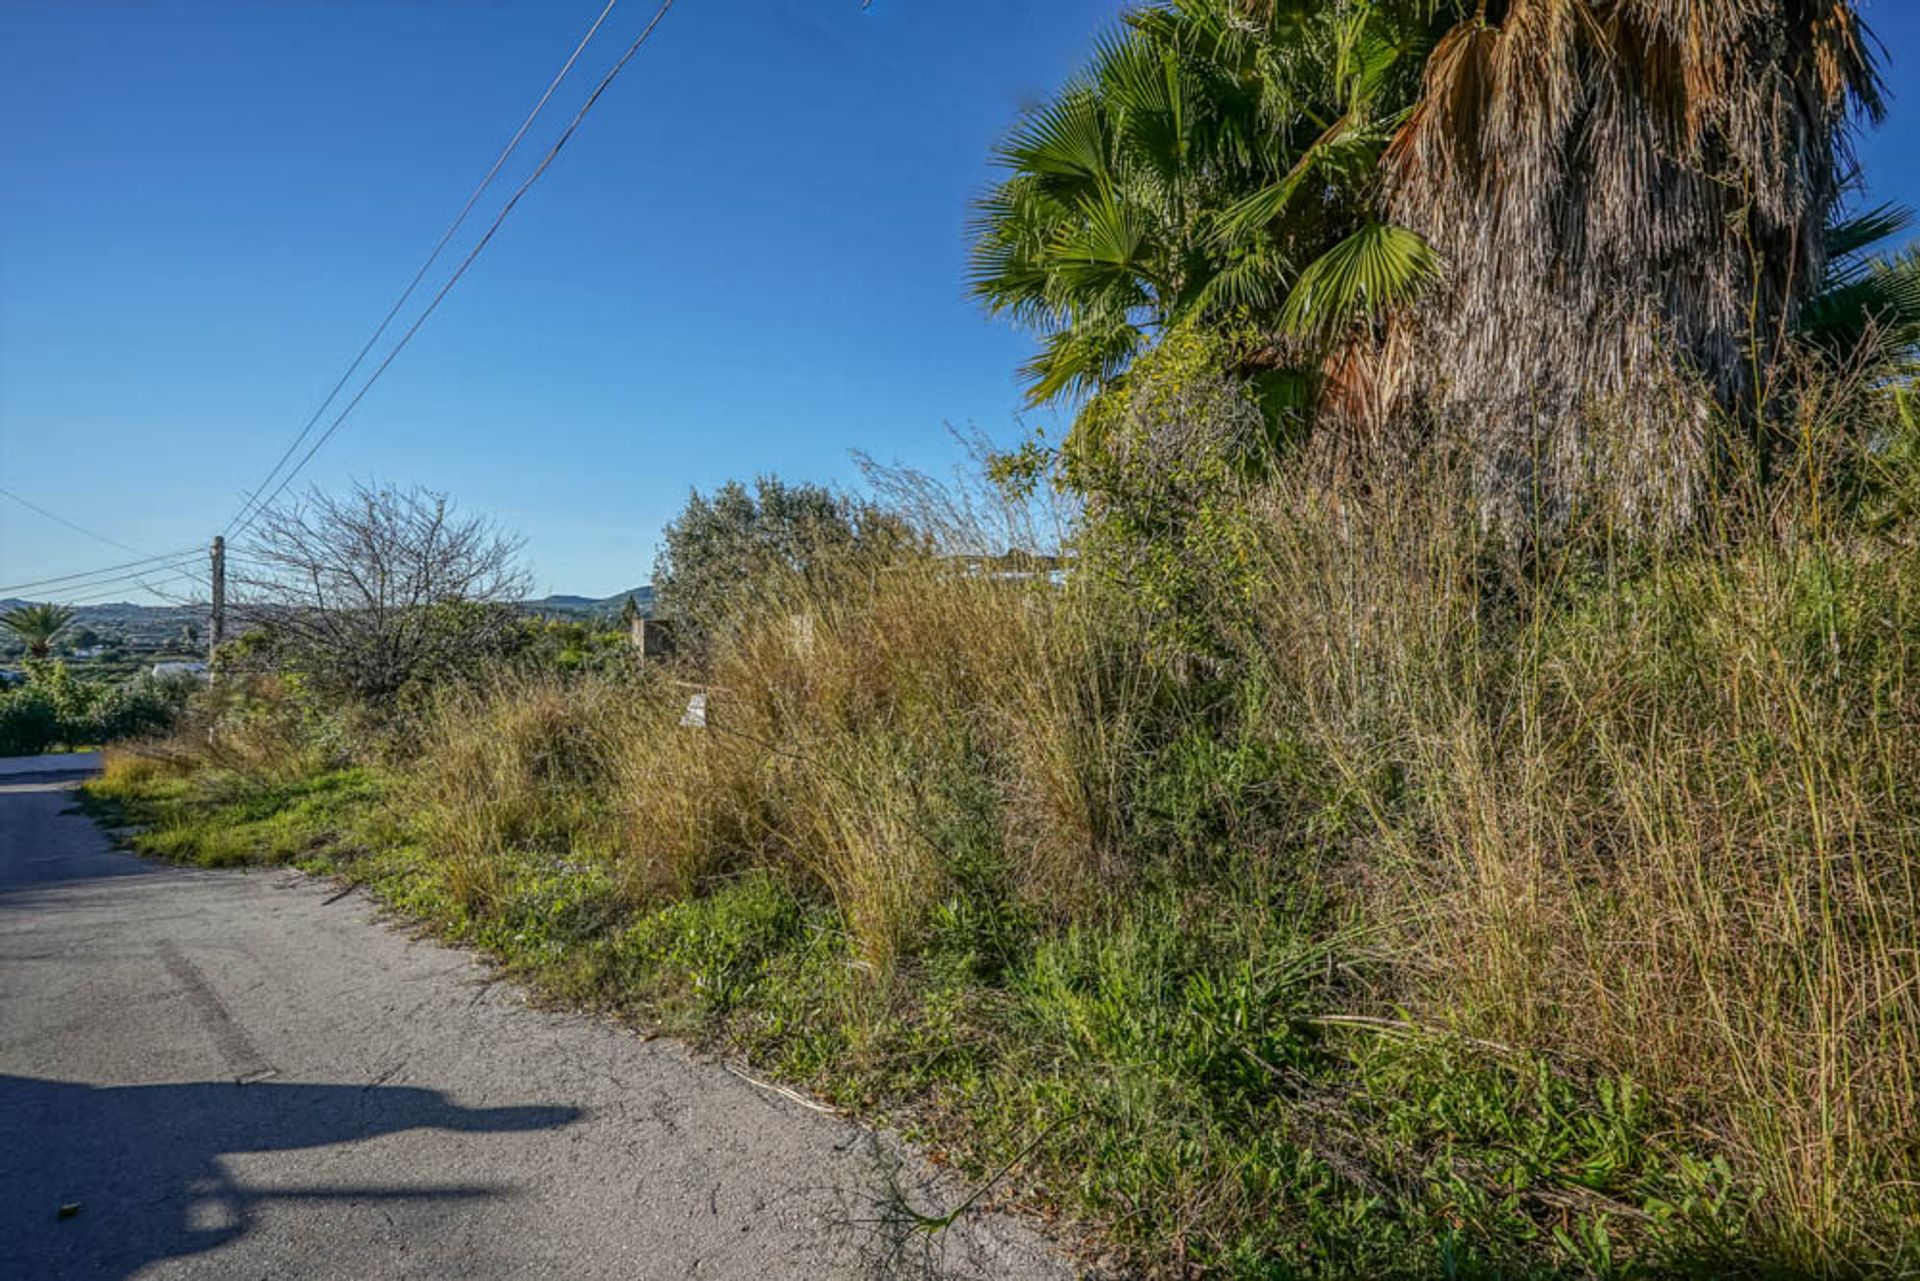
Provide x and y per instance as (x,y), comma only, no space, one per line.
(518,765)
(841,729)
(841,725)
(1649,812)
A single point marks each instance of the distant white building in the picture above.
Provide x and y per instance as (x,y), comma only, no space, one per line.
(198,671)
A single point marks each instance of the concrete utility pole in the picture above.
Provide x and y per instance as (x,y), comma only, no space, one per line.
(217,625)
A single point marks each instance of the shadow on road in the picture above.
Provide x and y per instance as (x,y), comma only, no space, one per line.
(139,1173)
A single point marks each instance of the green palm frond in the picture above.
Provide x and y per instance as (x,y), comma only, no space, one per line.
(1146,94)
(1848,237)
(1347,151)
(1252,281)
(1207,154)
(1064,139)
(1866,300)
(1378,267)
(37,625)
(1880,304)
(1081,358)
(1010,269)
(1110,238)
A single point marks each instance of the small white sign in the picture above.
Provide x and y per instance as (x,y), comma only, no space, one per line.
(696,717)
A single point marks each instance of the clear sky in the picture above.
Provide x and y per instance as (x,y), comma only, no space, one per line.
(750,259)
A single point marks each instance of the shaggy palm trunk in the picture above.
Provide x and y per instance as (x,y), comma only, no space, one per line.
(1629,197)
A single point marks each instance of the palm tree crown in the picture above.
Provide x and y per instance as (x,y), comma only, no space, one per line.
(37,625)
(1570,239)
(1215,162)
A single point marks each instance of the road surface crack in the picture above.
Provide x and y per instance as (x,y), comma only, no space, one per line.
(244,1061)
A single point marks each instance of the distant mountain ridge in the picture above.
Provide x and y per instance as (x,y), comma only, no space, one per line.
(124,613)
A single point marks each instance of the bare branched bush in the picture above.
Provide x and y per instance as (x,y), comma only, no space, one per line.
(370,592)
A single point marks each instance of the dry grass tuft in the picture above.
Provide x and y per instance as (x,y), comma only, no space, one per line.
(511,767)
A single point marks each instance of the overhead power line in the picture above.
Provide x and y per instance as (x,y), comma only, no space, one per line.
(159,589)
(58,519)
(93,580)
(126,582)
(151,562)
(446,237)
(546,161)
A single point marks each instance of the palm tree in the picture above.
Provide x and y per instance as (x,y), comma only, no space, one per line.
(1577,236)
(1214,164)
(1866,308)
(37,625)
(1630,198)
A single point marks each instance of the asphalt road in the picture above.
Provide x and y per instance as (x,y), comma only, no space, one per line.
(225,1074)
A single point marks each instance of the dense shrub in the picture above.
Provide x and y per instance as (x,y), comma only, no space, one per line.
(56,709)
(721,552)
(29,721)
(575,647)
(1162,458)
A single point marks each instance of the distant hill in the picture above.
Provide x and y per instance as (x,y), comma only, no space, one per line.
(132,636)
(590,606)
(118,610)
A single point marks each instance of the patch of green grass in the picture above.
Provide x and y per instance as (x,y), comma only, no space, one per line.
(219,819)
(698,962)
(1186,1093)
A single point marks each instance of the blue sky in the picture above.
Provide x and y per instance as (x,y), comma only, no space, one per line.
(750,259)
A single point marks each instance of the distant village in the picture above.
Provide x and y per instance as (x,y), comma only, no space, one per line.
(118,641)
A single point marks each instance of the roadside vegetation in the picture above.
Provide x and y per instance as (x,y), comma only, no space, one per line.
(1446,913)
(52,708)
(1282,828)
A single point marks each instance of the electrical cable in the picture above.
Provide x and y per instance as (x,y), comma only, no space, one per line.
(460,219)
(138,580)
(151,562)
(546,161)
(58,519)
